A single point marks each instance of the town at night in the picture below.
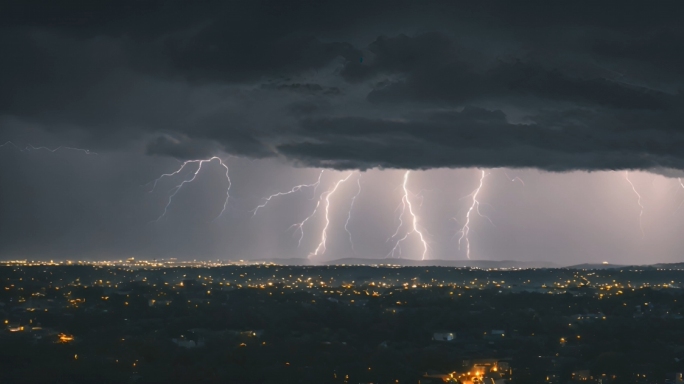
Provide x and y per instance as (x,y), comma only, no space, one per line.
(170,321)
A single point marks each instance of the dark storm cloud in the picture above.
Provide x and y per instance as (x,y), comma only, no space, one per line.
(182,148)
(403,54)
(225,55)
(550,85)
(303,88)
(478,137)
(661,49)
(510,81)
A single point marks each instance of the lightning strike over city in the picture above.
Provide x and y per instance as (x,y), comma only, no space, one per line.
(349,214)
(406,202)
(641,206)
(30,147)
(174,173)
(309,94)
(294,189)
(475,205)
(9,143)
(399,218)
(321,248)
(174,191)
(299,227)
(516,178)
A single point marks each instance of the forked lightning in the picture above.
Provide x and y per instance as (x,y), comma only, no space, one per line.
(406,202)
(177,188)
(294,189)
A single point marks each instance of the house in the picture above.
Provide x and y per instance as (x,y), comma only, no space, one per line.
(182,342)
(581,375)
(153,302)
(186,342)
(252,333)
(494,335)
(674,378)
(443,336)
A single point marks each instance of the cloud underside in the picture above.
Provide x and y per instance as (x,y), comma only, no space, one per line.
(486,84)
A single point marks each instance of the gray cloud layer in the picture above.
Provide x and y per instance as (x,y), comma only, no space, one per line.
(556,86)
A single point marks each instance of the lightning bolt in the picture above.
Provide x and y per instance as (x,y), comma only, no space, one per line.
(641,212)
(421,195)
(465,230)
(324,233)
(351,206)
(87,152)
(293,190)
(30,147)
(401,220)
(300,226)
(681,185)
(406,202)
(515,178)
(177,188)
(230,184)
(12,144)
(155,181)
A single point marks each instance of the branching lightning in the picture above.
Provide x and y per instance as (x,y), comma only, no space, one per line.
(230,184)
(155,181)
(514,179)
(465,230)
(421,195)
(12,144)
(681,185)
(406,202)
(351,206)
(324,233)
(401,220)
(300,226)
(177,188)
(30,147)
(293,190)
(641,212)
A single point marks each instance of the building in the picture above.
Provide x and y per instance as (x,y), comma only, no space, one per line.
(444,336)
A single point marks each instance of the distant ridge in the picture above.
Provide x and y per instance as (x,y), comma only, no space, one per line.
(421,263)
(448,263)
(668,265)
(291,261)
(463,263)
(678,266)
(596,266)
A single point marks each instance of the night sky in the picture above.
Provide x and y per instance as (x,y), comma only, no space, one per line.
(573,112)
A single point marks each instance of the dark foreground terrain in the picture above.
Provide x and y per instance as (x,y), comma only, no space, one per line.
(164,323)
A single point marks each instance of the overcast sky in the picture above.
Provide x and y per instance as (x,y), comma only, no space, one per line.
(573,111)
